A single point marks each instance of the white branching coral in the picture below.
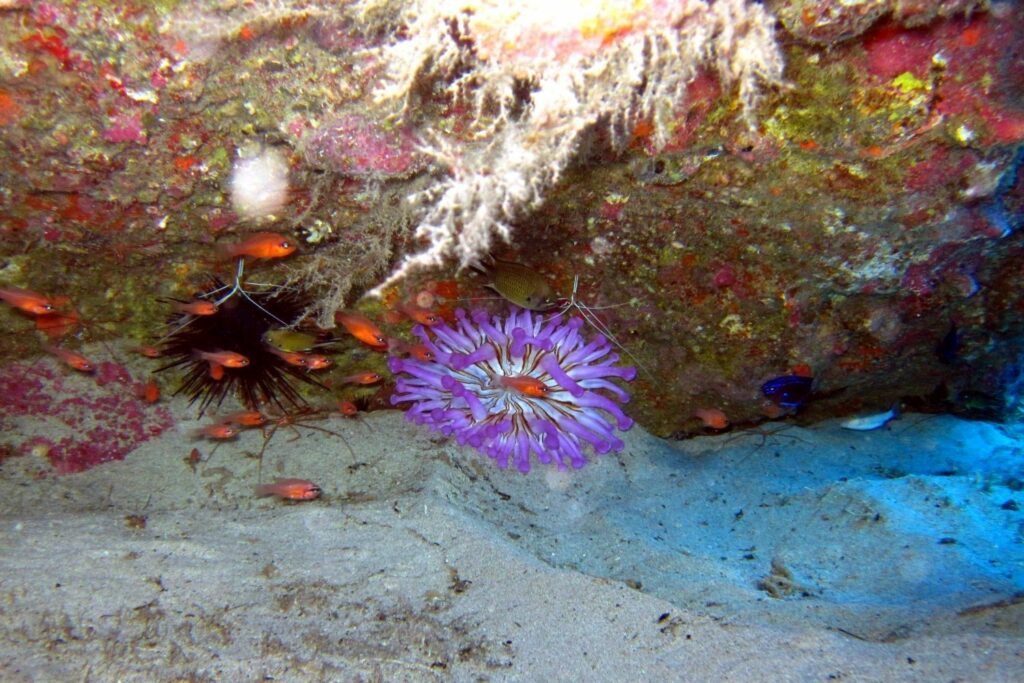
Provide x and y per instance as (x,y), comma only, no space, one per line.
(539,75)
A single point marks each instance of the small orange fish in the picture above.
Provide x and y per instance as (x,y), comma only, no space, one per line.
(193,458)
(290,357)
(362,328)
(524,384)
(27,301)
(244,418)
(228,359)
(365,377)
(265,245)
(421,352)
(417,351)
(713,418)
(71,358)
(802,370)
(216,371)
(290,489)
(56,326)
(310,361)
(148,392)
(198,307)
(317,362)
(421,315)
(347,408)
(148,351)
(219,431)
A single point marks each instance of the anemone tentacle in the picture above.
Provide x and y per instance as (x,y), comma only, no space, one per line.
(461,392)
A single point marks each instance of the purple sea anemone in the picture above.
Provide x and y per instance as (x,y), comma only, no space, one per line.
(509,386)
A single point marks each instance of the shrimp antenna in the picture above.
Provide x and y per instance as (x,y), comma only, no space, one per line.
(237,288)
(587,313)
(239,271)
(233,289)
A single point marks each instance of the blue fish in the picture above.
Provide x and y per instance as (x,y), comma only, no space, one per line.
(788,391)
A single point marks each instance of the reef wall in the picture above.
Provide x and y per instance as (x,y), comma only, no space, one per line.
(833,194)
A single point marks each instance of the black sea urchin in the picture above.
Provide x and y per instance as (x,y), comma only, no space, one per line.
(239,325)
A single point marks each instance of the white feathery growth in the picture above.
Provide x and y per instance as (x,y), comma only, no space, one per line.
(587,63)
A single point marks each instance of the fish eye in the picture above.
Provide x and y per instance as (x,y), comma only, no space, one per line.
(285,244)
(381,340)
(244,362)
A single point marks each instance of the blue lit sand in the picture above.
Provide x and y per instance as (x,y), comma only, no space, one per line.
(775,554)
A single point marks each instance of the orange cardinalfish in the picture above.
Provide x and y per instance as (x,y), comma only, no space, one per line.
(27,301)
(310,361)
(216,372)
(290,357)
(220,431)
(290,489)
(417,351)
(148,351)
(713,418)
(244,418)
(362,328)
(71,358)
(421,352)
(365,377)
(315,361)
(228,359)
(265,245)
(347,408)
(56,326)
(198,307)
(421,315)
(148,392)
(524,384)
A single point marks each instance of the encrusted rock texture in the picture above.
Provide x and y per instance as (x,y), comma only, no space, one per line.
(866,234)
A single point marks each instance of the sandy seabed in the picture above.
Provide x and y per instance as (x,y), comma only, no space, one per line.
(776,554)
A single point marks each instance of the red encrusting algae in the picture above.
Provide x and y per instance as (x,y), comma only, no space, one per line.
(77,421)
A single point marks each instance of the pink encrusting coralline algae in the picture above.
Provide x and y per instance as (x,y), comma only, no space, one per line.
(76,421)
(517,384)
(359,147)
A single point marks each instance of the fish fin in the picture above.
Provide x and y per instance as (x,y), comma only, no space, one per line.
(484,265)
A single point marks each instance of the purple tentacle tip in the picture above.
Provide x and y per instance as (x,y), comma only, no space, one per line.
(515,387)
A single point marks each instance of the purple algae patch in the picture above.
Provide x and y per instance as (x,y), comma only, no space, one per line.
(126,127)
(78,421)
(358,147)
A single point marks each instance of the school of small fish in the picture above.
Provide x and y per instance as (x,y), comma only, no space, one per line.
(56,320)
(515,282)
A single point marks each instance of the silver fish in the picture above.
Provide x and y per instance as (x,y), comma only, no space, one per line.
(674,167)
(866,423)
